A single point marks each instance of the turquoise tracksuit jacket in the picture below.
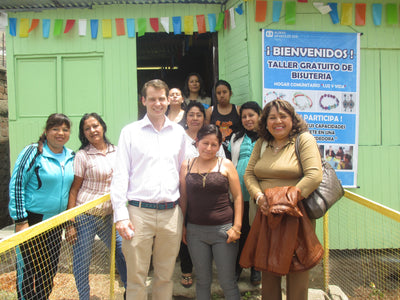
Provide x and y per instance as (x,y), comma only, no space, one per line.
(39,183)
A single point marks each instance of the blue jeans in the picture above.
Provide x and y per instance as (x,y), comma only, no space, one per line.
(205,244)
(87,227)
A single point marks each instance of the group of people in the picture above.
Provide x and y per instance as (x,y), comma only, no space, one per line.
(215,183)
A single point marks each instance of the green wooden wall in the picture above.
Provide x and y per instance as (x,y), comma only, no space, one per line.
(73,75)
(379,128)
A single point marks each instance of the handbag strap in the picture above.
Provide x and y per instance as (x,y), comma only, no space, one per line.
(296,149)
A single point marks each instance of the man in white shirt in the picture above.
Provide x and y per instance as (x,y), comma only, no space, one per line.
(146,175)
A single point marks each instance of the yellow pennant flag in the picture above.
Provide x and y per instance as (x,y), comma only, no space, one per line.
(347,14)
(106,25)
(24,27)
(188,25)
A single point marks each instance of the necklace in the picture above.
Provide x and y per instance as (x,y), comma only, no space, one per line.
(204,176)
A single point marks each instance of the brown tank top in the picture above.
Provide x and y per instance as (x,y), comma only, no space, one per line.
(208,205)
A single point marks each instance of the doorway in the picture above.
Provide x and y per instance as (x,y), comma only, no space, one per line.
(171,58)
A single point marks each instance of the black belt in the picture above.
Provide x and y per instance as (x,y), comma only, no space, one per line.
(160,206)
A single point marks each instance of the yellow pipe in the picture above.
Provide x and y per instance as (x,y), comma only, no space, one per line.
(384,210)
(33,231)
(326,251)
(112,262)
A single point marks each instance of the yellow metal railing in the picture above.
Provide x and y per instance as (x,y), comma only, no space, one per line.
(387,259)
(12,242)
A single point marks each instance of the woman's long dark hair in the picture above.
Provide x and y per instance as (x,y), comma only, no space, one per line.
(248,105)
(52,121)
(82,138)
(299,125)
(186,91)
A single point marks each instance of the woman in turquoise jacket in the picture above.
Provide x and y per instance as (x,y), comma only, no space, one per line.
(39,189)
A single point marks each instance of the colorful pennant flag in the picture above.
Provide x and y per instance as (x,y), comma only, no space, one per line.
(220,21)
(212,22)
(177,24)
(232,17)
(120,26)
(377,13)
(333,13)
(23,27)
(276,11)
(46,27)
(392,17)
(360,14)
(154,24)
(261,10)
(290,17)
(323,9)
(13,26)
(94,28)
(226,19)
(58,24)
(3,20)
(106,26)
(201,24)
(69,25)
(347,14)
(165,23)
(188,25)
(239,9)
(34,24)
(82,27)
(130,25)
(141,27)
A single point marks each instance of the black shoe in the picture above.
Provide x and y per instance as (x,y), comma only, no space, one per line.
(255,277)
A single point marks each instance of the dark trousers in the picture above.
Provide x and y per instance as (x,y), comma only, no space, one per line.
(40,257)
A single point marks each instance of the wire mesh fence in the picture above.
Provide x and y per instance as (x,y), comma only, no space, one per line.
(364,255)
(39,263)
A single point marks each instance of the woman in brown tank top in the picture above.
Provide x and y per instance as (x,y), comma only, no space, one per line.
(213,222)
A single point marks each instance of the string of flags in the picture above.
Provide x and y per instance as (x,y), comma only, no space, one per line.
(223,20)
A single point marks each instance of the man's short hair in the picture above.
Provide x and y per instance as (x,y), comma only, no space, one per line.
(158,84)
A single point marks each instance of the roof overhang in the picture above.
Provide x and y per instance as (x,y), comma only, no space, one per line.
(38,5)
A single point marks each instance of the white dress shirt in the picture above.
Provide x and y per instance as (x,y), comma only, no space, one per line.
(147,165)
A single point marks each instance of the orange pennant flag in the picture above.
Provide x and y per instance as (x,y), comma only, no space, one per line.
(360,14)
(34,24)
(261,10)
(120,26)
(69,25)
(201,23)
(347,14)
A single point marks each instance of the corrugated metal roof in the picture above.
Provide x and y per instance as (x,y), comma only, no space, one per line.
(34,5)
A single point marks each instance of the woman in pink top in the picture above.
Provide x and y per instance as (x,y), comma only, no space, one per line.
(93,168)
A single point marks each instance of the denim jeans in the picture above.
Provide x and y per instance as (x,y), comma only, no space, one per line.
(87,227)
(206,243)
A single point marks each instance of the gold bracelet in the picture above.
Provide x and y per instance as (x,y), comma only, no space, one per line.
(236,230)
